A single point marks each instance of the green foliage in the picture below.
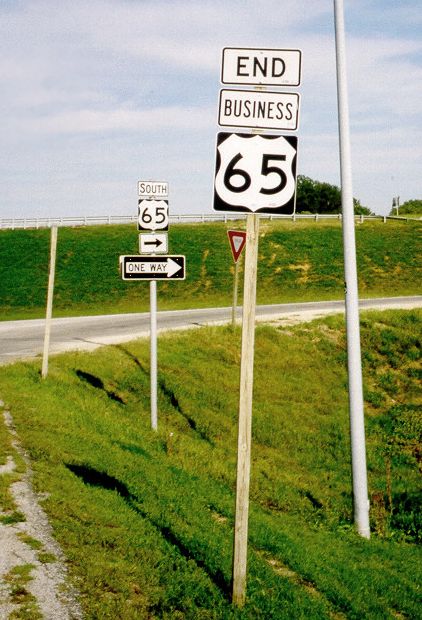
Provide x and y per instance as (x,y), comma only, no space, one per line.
(18,577)
(410,207)
(146,518)
(298,261)
(317,197)
(321,197)
(12,517)
(393,394)
(359,209)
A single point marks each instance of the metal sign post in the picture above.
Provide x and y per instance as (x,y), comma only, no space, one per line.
(235,292)
(50,293)
(357,428)
(153,353)
(153,220)
(152,216)
(237,240)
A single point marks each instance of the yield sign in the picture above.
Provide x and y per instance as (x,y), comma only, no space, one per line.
(237,240)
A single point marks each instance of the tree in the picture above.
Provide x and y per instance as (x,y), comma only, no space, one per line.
(360,209)
(410,207)
(319,197)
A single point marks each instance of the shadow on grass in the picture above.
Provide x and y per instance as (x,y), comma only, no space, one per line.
(98,383)
(133,357)
(95,478)
(168,393)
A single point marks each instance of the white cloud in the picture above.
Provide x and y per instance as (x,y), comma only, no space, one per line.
(143,78)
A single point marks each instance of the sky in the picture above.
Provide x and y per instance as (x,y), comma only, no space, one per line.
(97,95)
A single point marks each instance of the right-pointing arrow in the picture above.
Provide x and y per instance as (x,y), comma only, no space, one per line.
(156,242)
(172,267)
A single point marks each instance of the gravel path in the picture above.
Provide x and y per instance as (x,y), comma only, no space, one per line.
(47,593)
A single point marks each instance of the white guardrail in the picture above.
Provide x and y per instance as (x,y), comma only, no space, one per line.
(98,220)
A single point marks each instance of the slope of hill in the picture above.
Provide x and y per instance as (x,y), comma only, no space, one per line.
(146,518)
(299,261)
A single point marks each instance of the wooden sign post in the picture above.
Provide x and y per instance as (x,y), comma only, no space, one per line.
(50,293)
(245,412)
(255,174)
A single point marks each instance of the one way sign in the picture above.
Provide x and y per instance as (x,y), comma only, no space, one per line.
(152,267)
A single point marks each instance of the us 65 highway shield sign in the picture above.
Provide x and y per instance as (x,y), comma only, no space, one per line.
(255,173)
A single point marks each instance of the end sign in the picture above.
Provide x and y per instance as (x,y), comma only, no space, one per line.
(270,67)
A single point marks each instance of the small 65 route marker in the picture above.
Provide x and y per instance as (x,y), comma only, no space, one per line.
(153,214)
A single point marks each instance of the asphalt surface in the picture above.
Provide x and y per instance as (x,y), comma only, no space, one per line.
(25,339)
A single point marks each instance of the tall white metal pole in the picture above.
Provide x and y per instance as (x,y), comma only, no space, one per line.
(153,353)
(50,292)
(357,428)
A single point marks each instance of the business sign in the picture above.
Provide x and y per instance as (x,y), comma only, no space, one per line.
(153,243)
(153,214)
(266,67)
(260,110)
(153,189)
(152,267)
(237,241)
(255,173)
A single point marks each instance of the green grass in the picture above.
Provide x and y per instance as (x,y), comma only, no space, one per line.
(27,608)
(146,519)
(299,261)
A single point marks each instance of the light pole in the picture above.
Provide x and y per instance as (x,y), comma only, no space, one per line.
(354,362)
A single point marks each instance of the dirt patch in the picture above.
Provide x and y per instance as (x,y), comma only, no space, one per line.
(26,544)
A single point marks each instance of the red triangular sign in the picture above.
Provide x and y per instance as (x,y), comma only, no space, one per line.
(237,240)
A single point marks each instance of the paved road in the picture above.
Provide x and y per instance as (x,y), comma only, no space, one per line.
(24,339)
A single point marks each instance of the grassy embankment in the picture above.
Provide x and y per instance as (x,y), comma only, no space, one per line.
(146,518)
(299,261)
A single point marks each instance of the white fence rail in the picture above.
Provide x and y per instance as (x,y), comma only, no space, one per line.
(97,220)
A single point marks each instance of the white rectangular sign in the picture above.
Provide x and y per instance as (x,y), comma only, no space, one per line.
(153,243)
(153,189)
(260,110)
(270,67)
(152,267)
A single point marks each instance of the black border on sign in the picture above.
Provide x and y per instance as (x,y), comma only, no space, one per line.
(178,258)
(254,123)
(151,230)
(263,49)
(288,208)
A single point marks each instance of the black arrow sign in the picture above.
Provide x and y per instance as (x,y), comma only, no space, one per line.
(153,243)
(152,267)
